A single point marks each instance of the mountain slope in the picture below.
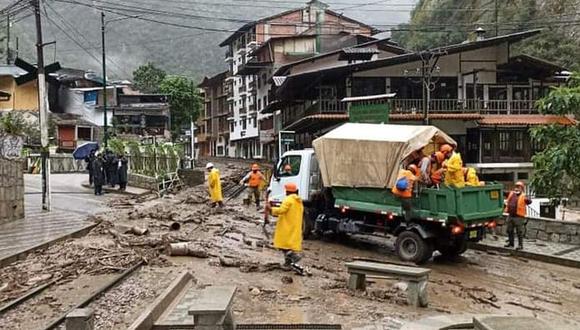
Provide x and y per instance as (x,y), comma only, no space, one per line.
(178,50)
(438,22)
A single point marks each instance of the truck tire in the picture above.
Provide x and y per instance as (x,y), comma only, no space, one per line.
(411,247)
(307,225)
(453,251)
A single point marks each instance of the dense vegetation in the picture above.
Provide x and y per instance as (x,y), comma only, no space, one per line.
(438,22)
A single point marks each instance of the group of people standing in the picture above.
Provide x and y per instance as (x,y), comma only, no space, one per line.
(288,233)
(107,168)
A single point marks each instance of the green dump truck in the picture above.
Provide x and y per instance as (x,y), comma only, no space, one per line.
(345,183)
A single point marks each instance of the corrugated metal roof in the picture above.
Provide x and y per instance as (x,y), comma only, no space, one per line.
(11,70)
(279,80)
(352,50)
(524,120)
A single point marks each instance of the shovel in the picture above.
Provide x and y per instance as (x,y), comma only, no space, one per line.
(266,216)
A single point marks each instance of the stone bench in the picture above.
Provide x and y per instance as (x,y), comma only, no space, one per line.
(212,309)
(415,277)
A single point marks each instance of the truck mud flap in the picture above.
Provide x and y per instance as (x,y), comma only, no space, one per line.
(423,232)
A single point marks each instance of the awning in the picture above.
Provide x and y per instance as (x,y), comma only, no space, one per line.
(317,122)
(252,68)
(357,54)
(524,120)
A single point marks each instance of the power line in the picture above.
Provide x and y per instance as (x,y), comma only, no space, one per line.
(72,28)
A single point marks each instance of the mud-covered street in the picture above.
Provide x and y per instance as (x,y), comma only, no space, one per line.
(231,248)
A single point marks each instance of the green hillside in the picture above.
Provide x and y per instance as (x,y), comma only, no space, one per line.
(439,22)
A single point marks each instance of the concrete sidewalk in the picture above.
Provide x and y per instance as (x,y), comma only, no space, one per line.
(71,205)
(132,191)
(556,253)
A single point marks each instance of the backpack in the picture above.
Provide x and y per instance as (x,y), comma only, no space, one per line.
(402,184)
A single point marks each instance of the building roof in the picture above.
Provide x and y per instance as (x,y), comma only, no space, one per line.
(248,26)
(70,119)
(11,70)
(318,122)
(524,120)
(345,68)
(214,80)
(533,66)
(385,42)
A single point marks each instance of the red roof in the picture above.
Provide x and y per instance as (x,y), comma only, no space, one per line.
(525,120)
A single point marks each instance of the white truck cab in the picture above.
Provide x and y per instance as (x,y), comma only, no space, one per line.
(304,172)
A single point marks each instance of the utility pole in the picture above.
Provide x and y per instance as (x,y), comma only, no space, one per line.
(8,39)
(496,19)
(106,134)
(43,109)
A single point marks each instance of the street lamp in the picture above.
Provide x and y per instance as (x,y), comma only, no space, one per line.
(103,26)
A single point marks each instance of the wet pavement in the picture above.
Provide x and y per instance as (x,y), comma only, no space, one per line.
(71,204)
(559,253)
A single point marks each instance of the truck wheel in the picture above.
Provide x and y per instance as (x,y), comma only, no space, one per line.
(307,225)
(411,247)
(454,250)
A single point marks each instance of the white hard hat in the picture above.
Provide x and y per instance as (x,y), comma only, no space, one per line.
(209,165)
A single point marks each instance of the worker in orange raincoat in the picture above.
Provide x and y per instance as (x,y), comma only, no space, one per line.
(254,179)
(215,186)
(437,171)
(516,209)
(403,188)
(288,233)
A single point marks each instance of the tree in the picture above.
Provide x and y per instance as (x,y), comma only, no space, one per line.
(184,101)
(147,78)
(557,166)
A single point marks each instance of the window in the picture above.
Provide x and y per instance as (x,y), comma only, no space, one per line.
(254,120)
(84,133)
(294,162)
(504,141)
(243,121)
(232,127)
(259,104)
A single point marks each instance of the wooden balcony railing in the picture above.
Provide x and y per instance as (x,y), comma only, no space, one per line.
(499,107)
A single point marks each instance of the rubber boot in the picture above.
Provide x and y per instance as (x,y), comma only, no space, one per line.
(510,240)
(520,244)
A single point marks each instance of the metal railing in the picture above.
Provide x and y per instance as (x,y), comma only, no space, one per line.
(500,107)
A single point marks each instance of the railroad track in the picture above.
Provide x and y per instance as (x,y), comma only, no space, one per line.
(83,303)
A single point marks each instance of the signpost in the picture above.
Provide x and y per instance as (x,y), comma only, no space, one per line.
(285,138)
(373,109)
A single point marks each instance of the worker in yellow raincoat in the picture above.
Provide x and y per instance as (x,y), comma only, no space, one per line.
(454,174)
(288,234)
(215,186)
(471,178)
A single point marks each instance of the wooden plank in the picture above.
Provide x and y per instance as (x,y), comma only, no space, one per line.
(213,300)
(378,268)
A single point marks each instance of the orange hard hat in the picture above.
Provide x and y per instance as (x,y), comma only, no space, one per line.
(446,148)
(520,184)
(413,168)
(287,167)
(290,187)
(255,167)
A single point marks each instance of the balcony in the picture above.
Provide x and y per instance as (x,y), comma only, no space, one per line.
(488,107)
(67,144)
(229,56)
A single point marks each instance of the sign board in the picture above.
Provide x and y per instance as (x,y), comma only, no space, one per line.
(370,113)
(287,137)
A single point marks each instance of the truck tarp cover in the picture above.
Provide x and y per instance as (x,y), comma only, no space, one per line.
(370,155)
